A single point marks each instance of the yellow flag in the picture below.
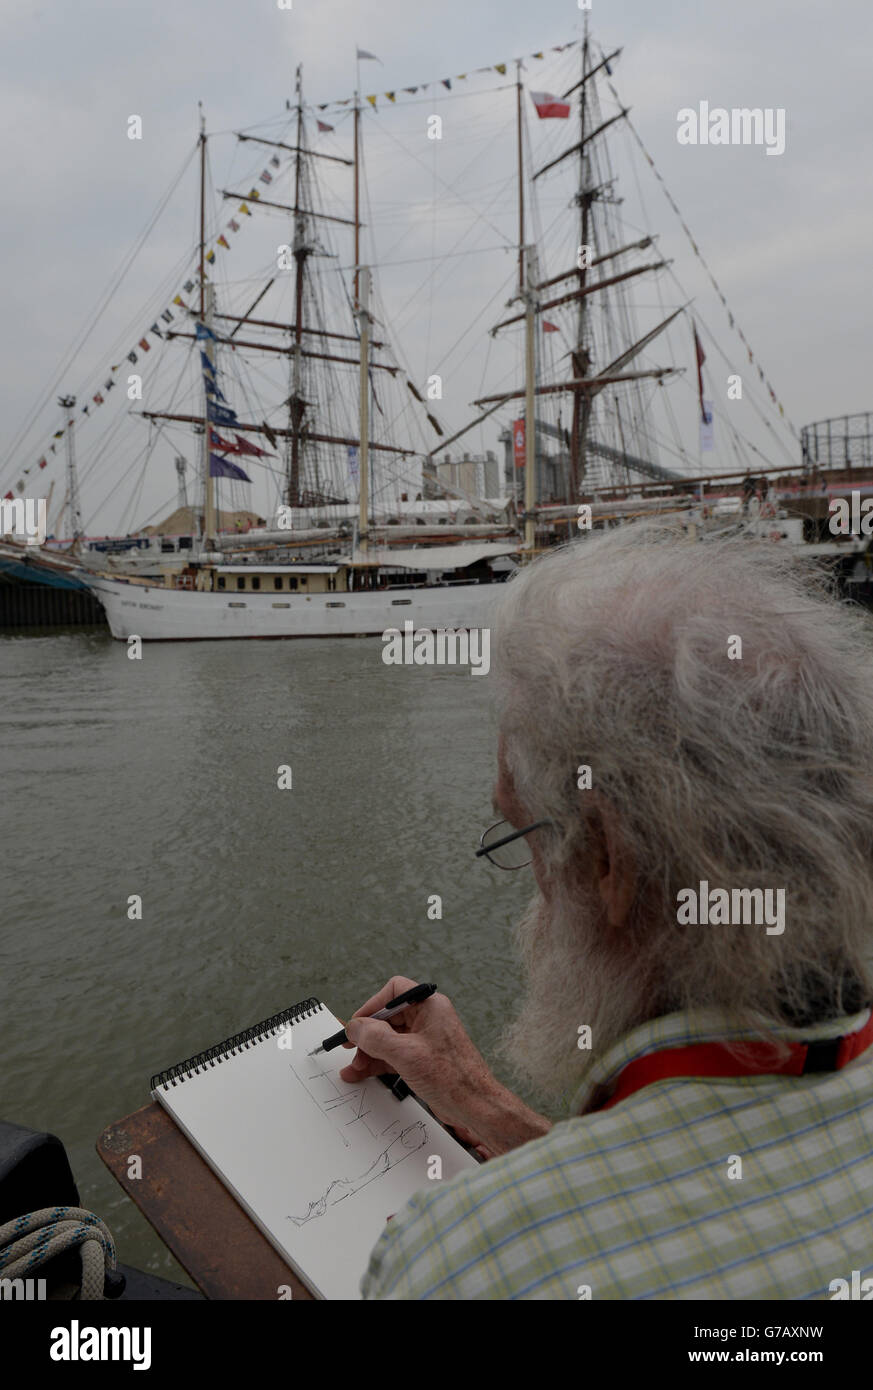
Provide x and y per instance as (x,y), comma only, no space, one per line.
(246,210)
(372,101)
(391,96)
(501,68)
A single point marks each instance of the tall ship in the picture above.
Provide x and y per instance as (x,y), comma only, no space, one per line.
(296,373)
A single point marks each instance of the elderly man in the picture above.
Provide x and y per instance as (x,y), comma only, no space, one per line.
(715,1068)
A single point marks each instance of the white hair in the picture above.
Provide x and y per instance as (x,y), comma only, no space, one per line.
(612,652)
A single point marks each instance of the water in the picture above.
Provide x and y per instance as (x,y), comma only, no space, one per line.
(159,778)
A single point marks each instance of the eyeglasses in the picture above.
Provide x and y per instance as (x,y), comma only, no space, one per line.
(507,851)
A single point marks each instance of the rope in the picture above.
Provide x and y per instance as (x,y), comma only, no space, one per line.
(31,1241)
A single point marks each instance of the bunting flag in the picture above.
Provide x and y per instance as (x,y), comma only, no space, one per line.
(97,399)
(707,441)
(247,210)
(372,101)
(224,445)
(58,434)
(548,106)
(167,316)
(550,327)
(223,241)
(265,176)
(447,82)
(233,225)
(220,414)
(392,96)
(411,90)
(201,331)
(154,329)
(701,358)
(275,161)
(323,126)
(132,357)
(696,249)
(210,256)
(362,54)
(177,299)
(108,385)
(42,463)
(223,468)
(244,447)
(188,286)
(501,68)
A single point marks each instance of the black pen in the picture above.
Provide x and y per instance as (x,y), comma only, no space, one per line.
(401,1001)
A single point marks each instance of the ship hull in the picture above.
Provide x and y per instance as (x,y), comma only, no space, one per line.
(168,615)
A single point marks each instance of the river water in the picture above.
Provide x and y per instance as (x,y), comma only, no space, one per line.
(158,778)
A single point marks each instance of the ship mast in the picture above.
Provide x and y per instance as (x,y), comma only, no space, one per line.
(518,114)
(206,312)
(296,403)
(363,452)
(580,359)
(67,403)
(530,425)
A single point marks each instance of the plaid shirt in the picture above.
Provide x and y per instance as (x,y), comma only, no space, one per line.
(638,1201)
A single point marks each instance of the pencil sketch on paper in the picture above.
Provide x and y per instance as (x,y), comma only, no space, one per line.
(403,1146)
(350,1105)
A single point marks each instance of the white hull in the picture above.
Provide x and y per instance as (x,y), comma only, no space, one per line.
(180,615)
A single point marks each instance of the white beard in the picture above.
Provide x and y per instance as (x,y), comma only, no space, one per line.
(570,980)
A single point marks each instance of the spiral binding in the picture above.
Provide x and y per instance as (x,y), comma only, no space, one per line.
(183,1071)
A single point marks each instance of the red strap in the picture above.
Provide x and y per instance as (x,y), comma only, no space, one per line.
(715,1059)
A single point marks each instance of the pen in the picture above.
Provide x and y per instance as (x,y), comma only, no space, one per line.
(400,1001)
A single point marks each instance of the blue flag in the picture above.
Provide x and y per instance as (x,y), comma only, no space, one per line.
(223,468)
(201,331)
(220,414)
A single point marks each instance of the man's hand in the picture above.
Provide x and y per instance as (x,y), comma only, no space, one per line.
(427,1045)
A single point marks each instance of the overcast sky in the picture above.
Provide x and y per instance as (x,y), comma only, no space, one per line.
(787,237)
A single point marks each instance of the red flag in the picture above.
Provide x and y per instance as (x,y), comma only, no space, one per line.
(548,105)
(701,358)
(244,447)
(7,497)
(550,327)
(42,463)
(221,445)
(323,125)
(518,444)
